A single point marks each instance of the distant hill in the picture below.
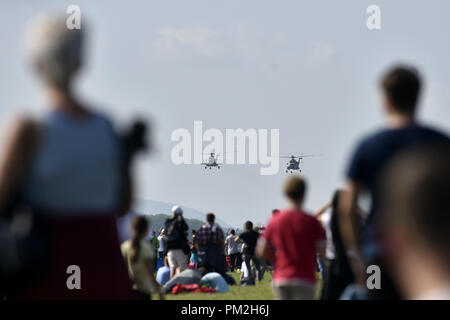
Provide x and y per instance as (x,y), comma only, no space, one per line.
(144,206)
(157,222)
(158,212)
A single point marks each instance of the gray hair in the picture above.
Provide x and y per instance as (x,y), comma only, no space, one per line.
(55,50)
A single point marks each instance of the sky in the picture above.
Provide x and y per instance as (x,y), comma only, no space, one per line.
(307,68)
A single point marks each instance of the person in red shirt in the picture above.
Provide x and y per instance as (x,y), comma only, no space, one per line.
(291,240)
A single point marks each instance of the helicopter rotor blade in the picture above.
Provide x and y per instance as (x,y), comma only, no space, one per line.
(311,155)
(219,152)
(302,156)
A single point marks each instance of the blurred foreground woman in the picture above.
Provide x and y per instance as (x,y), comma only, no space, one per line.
(68,168)
(139,257)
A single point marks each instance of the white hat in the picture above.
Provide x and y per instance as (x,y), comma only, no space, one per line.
(177,210)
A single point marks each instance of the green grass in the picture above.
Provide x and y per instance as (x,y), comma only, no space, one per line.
(260,291)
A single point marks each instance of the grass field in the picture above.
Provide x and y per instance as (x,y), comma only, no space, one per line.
(261,291)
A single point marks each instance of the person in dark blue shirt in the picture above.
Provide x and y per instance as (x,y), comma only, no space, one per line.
(401,89)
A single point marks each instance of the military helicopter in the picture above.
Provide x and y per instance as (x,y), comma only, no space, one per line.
(212,161)
(295,161)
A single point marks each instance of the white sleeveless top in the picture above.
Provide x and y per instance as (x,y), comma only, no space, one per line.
(77,166)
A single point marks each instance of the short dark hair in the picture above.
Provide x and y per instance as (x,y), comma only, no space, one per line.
(414,193)
(210,218)
(248,225)
(294,188)
(401,85)
(232,231)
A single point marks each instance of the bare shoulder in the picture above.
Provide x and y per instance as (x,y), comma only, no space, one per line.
(23,124)
(24,129)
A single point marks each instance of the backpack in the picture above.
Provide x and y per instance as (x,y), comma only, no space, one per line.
(175,236)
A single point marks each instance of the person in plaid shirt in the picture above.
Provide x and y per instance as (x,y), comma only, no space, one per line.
(211,243)
(210,233)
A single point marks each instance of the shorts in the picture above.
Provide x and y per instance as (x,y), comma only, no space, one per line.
(194,258)
(294,291)
(177,259)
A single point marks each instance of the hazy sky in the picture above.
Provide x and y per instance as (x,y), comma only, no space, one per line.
(308,68)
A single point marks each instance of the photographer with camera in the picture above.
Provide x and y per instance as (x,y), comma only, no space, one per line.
(177,242)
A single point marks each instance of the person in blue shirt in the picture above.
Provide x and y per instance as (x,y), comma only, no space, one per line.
(400,88)
(163,274)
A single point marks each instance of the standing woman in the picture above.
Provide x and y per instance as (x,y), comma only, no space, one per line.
(338,273)
(68,168)
(140,259)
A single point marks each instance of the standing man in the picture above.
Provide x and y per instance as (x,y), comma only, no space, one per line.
(292,240)
(250,239)
(400,88)
(176,240)
(232,250)
(211,244)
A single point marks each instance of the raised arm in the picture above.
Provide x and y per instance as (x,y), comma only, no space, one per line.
(322,209)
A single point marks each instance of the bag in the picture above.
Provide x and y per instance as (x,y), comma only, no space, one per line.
(175,236)
(172,232)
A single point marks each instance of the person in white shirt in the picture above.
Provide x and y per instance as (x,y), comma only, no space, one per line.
(335,268)
(232,250)
(244,274)
(162,246)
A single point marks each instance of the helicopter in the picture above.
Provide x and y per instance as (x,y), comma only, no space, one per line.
(212,161)
(295,161)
